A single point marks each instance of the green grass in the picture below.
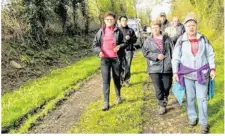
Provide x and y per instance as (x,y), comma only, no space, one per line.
(216,105)
(123,118)
(32,119)
(49,88)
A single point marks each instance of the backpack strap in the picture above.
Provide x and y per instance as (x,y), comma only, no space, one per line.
(206,40)
(180,42)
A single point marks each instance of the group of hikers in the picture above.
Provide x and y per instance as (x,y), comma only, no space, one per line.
(173,51)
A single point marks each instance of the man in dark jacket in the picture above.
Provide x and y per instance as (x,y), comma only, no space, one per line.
(164,22)
(130,39)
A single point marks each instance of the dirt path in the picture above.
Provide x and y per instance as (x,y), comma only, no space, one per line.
(174,121)
(67,114)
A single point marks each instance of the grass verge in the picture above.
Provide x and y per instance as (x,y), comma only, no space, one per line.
(48,89)
(216,105)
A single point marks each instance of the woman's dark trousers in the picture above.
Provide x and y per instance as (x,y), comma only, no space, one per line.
(108,64)
(162,83)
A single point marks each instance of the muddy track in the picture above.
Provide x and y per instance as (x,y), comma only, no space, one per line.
(174,121)
(66,115)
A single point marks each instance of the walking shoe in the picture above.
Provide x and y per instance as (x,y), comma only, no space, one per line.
(105,107)
(162,110)
(118,100)
(204,129)
(192,123)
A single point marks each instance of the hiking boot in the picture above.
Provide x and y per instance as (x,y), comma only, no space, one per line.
(118,100)
(105,107)
(162,110)
(204,129)
(192,123)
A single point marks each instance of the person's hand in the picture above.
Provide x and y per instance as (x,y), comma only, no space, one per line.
(212,74)
(116,49)
(101,54)
(161,57)
(175,77)
(127,37)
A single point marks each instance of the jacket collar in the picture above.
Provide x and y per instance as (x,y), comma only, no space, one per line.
(179,24)
(185,36)
(165,22)
(126,27)
(115,28)
(163,35)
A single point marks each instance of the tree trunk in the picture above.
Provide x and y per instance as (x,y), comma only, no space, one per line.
(74,2)
(84,10)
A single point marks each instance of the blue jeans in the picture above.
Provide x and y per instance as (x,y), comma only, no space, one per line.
(193,88)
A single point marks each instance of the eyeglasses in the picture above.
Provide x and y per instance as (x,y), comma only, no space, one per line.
(109,19)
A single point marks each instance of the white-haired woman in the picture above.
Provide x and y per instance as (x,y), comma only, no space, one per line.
(193,64)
